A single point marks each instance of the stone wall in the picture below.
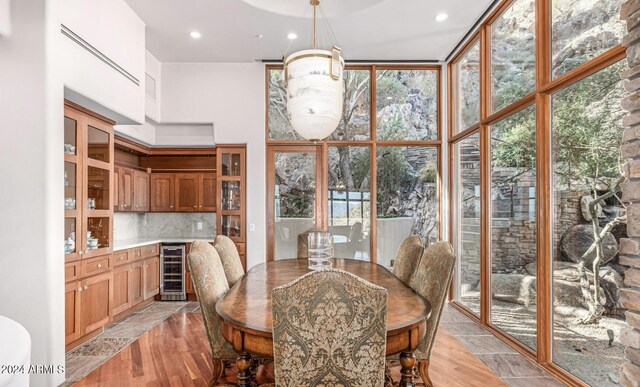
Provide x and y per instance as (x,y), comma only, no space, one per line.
(513,239)
(630,151)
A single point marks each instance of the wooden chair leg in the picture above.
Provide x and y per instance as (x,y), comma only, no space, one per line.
(218,370)
(423,369)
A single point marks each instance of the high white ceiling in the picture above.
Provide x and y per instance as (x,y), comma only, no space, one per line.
(364,29)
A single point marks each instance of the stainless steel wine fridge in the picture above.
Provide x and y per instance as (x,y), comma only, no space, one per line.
(172,266)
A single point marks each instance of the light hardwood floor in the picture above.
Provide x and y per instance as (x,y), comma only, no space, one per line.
(175,353)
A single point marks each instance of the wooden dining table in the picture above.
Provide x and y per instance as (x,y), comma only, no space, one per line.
(247,324)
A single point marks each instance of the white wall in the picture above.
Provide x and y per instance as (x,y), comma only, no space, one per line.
(231,95)
(112,28)
(145,133)
(153,68)
(31,158)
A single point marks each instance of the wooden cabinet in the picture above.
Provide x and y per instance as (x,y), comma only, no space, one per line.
(121,289)
(186,192)
(90,199)
(207,192)
(141,191)
(162,192)
(151,277)
(72,311)
(116,189)
(126,189)
(137,282)
(95,302)
(183,192)
(132,190)
(231,195)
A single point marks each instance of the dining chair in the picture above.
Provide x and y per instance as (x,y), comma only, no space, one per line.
(230,259)
(431,280)
(407,258)
(210,283)
(329,328)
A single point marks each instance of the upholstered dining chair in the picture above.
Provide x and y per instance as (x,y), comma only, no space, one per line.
(210,283)
(329,328)
(230,259)
(431,280)
(407,258)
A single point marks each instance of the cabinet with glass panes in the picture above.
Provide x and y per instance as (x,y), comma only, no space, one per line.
(88,178)
(231,182)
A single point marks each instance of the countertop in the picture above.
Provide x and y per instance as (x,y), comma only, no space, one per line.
(123,244)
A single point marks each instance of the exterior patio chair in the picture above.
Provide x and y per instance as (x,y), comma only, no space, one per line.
(407,258)
(230,259)
(311,318)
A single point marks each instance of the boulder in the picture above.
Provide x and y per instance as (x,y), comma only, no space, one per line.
(514,288)
(576,240)
(584,206)
(567,293)
(567,271)
(611,282)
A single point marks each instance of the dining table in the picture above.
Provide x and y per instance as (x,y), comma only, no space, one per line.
(246,320)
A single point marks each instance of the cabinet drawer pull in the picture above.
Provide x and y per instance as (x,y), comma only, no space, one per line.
(99,265)
(86,287)
(146,266)
(121,258)
(79,289)
(130,270)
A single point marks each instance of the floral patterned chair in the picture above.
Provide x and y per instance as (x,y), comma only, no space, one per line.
(407,258)
(230,259)
(210,283)
(431,280)
(329,329)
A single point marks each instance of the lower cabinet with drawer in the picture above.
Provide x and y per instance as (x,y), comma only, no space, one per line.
(101,288)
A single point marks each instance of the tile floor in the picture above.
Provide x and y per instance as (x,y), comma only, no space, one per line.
(515,369)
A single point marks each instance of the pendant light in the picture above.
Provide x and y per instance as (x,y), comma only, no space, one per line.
(315,89)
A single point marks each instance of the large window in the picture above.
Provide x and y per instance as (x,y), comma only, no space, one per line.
(513,225)
(466,78)
(466,219)
(525,173)
(407,188)
(582,30)
(513,56)
(396,150)
(407,105)
(586,133)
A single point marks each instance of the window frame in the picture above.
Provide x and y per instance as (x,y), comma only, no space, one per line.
(545,86)
(372,143)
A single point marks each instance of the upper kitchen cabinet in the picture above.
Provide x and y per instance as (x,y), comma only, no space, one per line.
(104,38)
(88,184)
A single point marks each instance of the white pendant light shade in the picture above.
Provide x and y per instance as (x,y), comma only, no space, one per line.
(315,92)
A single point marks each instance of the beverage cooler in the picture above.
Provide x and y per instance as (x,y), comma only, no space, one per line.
(172,276)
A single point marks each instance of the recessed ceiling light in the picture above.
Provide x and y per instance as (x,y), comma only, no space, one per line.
(389,98)
(195,34)
(259,36)
(292,36)
(442,17)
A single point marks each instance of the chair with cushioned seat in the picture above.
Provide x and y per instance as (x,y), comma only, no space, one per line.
(210,283)
(431,280)
(311,318)
(407,258)
(230,259)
